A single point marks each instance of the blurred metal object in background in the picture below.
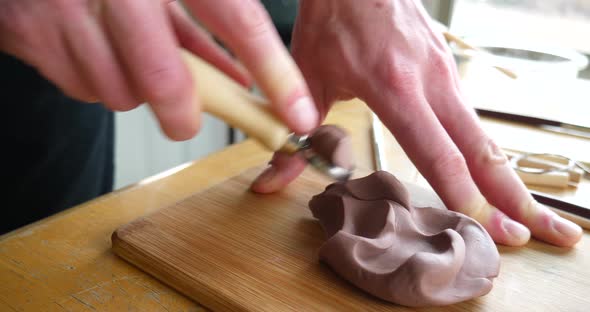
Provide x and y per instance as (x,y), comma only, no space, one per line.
(525,60)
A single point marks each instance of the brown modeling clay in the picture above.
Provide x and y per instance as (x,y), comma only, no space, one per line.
(333,144)
(407,255)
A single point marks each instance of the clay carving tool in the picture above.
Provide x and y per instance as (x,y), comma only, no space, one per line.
(234,104)
(546,169)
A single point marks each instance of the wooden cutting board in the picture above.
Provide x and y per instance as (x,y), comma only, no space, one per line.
(230,249)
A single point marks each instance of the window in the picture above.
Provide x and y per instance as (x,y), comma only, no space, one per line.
(542,90)
(565,23)
(556,23)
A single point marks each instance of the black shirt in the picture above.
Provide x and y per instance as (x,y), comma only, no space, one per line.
(56,151)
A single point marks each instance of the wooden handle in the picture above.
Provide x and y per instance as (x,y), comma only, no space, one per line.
(551,179)
(575,174)
(548,162)
(227,100)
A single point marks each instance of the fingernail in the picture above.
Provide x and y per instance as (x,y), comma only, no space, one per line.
(304,114)
(267,176)
(518,231)
(566,227)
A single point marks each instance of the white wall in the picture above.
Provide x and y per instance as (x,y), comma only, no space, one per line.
(141,150)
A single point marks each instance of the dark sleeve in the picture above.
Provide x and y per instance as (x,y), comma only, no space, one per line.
(56,151)
(283,15)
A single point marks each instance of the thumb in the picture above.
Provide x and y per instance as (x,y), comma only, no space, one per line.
(247,29)
(282,170)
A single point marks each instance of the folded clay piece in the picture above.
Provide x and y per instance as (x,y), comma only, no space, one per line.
(333,144)
(411,256)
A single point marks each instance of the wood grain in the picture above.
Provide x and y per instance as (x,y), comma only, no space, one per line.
(230,249)
(64,263)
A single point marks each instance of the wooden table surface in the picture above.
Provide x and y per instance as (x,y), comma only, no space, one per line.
(65,263)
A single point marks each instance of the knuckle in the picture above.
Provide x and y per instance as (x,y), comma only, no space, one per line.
(481,211)
(441,64)
(401,76)
(63,4)
(486,152)
(544,220)
(529,210)
(162,83)
(251,20)
(121,103)
(69,8)
(450,168)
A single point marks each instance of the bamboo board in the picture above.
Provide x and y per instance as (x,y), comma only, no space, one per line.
(230,249)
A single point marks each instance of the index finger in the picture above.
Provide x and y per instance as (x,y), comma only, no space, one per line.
(245,26)
(145,44)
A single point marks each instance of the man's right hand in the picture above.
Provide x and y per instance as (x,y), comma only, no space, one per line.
(125,52)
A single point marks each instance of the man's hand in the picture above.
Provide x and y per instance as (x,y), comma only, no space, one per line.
(387,54)
(125,52)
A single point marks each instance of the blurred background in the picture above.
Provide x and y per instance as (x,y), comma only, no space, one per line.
(545,43)
(559,23)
